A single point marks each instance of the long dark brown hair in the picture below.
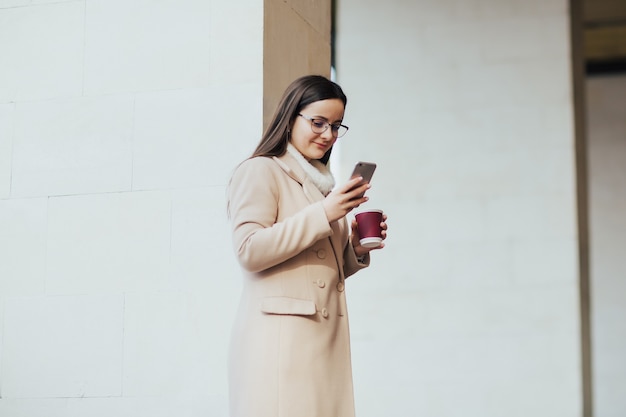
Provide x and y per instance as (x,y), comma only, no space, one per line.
(300,93)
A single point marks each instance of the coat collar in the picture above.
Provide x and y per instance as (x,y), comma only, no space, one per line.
(292,168)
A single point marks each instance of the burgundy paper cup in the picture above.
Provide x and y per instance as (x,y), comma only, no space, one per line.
(370,232)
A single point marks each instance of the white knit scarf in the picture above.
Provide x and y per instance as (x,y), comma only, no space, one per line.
(318,173)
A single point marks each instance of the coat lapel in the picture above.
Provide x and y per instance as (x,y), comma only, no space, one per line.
(292,168)
(313,194)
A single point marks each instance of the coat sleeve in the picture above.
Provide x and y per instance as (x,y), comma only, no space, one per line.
(260,242)
(352,264)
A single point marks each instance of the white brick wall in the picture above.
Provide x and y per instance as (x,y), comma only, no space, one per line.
(114,242)
(120,123)
(23,246)
(7,111)
(72,146)
(177,132)
(139,45)
(42,48)
(472,308)
(66,346)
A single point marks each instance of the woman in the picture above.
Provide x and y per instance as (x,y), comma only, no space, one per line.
(290,348)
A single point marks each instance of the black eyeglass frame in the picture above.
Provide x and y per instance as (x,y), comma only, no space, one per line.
(334,128)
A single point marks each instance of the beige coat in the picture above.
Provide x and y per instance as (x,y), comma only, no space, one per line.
(290,346)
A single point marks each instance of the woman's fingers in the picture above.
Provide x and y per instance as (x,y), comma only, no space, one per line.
(358,193)
(354,187)
(383,226)
(351,184)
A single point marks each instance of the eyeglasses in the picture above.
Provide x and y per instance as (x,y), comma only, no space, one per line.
(320,126)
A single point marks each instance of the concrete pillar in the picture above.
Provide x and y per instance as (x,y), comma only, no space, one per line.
(296,42)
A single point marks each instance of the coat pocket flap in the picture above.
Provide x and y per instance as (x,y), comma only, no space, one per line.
(288,305)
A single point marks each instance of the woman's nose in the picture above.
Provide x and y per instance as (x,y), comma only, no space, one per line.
(328,134)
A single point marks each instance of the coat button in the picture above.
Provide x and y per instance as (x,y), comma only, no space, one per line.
(340,286)
(321,253)
(320,283)
(324,312)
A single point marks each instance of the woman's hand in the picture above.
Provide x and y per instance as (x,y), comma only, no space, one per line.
(344,199)
(361,250)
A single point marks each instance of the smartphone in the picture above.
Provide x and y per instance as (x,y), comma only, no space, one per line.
(365,170)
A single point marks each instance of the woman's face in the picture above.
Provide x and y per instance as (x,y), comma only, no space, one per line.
(314,145)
